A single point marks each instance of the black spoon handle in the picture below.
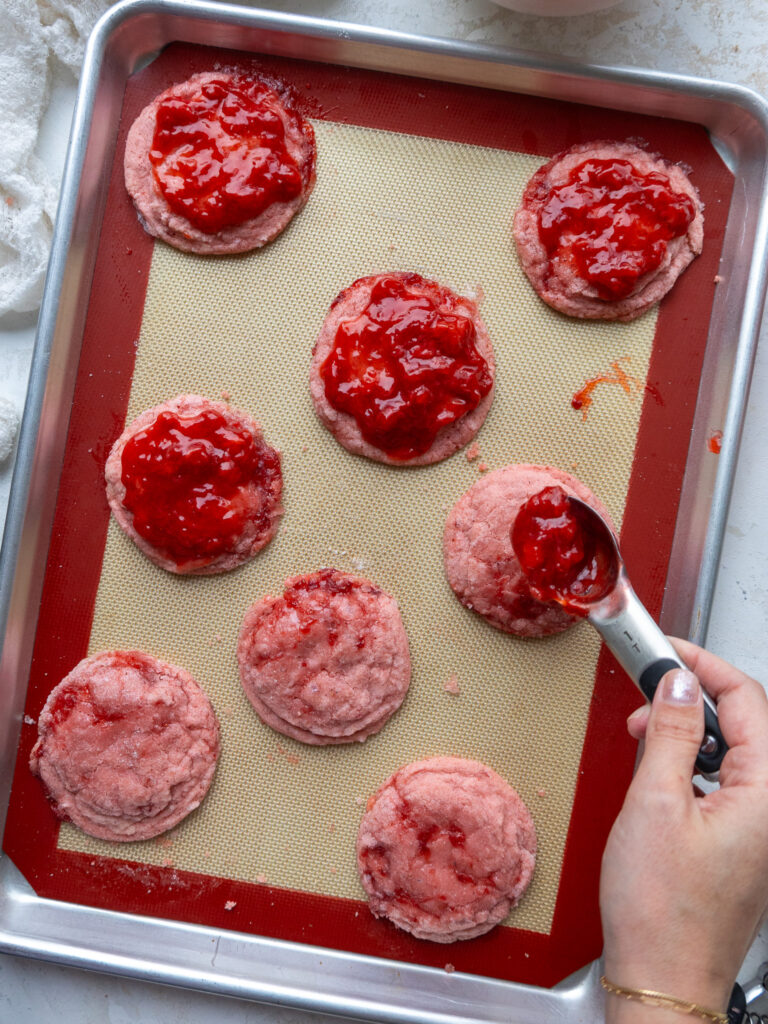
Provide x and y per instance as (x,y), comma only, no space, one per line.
(714,746)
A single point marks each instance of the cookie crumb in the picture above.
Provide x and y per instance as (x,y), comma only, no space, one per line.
(472,452)
(28,720)
(449,968)
(230,904)
(261,879)
(718,279)
(451,685)
(541,792)
(482,467)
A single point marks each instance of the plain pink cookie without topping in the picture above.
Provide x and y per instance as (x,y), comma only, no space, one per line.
(256,503)
(445,849)
(127,746)
(480,564)
(557,280)
(157,216)
(348,305)
(328,661)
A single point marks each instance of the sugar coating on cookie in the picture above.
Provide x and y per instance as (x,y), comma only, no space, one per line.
(127,746)
(219,164)
(193,483)
(481,565)
(327,661)
(605,229)
(445,849)
(402,370)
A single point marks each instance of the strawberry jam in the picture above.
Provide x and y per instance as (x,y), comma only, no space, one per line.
(407,366)
(613,223)
(219,157)
(189,483)
(564,558)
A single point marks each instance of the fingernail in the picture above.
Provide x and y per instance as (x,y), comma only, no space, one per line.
(680,687)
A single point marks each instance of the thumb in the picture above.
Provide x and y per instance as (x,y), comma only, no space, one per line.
(674,733)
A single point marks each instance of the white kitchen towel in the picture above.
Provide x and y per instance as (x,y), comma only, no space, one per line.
(34,34)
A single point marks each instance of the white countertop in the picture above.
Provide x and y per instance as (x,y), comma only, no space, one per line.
(723,39)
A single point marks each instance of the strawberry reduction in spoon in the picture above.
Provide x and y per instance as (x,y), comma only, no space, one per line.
(570,556)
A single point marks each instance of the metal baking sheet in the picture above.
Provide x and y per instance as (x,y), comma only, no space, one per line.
(243,965)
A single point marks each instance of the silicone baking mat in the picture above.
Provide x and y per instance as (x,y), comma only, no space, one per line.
(418,176)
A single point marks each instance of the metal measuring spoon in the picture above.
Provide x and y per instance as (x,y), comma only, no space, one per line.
(605,597)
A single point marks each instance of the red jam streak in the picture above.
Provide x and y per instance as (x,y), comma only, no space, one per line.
(325,581)
(406,367)
(314,592)
(78,694)
(582,399)
(430,834)
(613,223)
(565,560)
(715,443)
(219,157)
(184,479)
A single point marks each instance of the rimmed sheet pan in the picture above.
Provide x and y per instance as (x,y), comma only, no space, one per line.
(723,369)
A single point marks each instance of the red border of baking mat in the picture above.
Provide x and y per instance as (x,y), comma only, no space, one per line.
(446,111)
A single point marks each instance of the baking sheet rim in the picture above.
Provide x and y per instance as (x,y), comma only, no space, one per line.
(13,892)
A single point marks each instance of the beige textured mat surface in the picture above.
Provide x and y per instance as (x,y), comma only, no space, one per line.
(279,811)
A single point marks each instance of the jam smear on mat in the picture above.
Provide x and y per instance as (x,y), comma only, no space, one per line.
(406,367)
(582,399)
(185,480)
(219,158)
(564,559)
(715,442)
(614,223)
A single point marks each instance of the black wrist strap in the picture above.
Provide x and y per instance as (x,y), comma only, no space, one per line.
(737,1006)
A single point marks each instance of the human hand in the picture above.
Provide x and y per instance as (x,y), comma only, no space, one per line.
(684,882)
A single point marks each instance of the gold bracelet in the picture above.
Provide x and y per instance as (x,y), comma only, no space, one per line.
(651,998)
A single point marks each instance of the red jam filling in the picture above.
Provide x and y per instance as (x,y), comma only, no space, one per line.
(564,559)
(219,157)
(184,480)
(613,223)
(406,367)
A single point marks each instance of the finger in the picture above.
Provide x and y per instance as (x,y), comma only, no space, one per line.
(742,706)
(637,723)
(673,735)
